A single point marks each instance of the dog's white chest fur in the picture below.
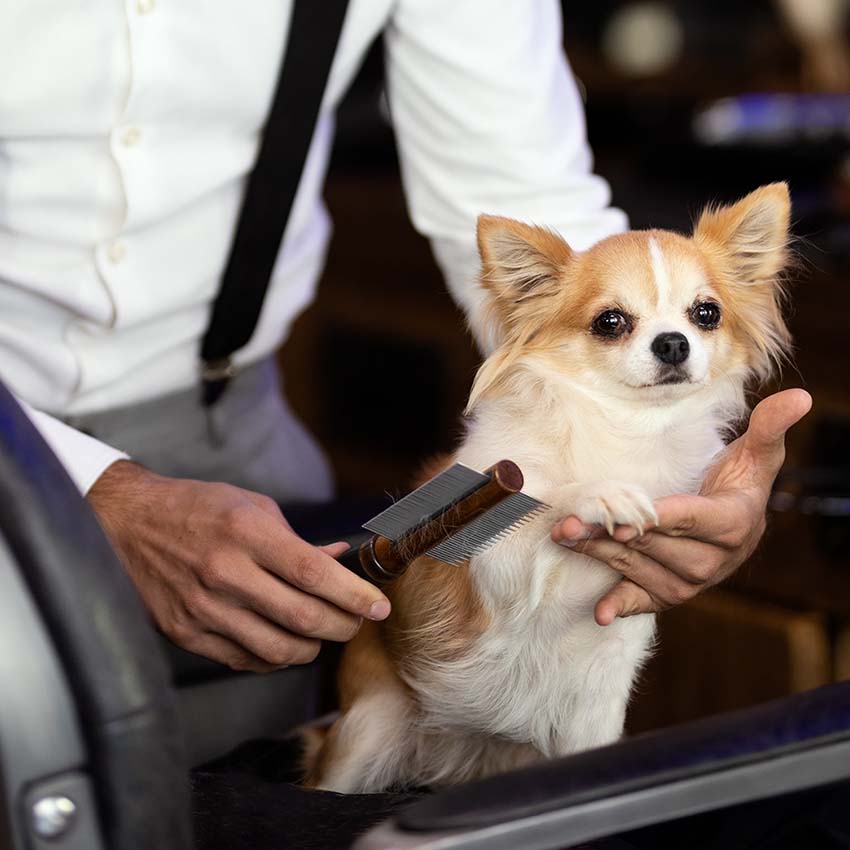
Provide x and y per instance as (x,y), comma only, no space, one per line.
(544,672)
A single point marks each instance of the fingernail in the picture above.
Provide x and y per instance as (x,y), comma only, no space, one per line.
(380,610)
(573,539)
(628,536)
(569,544)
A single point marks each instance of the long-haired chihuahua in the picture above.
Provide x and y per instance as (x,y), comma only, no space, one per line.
(616,375)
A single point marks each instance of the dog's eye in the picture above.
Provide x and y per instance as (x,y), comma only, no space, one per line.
(610,323)
(706,315)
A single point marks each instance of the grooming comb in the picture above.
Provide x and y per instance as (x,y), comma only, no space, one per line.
(452,517)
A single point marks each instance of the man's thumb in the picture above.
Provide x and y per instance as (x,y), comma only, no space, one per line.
(772,417)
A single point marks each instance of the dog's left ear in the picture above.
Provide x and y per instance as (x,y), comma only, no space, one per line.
(751,235)
(747,246)
(521,266)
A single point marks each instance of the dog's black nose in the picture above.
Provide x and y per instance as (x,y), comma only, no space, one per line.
(672,348)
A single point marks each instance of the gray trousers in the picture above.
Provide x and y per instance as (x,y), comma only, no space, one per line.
(250,438)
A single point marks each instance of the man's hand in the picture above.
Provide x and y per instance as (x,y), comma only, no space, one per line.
(699,540)
(223,574)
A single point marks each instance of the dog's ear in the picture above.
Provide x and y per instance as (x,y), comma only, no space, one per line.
(751,235)
(520,261)
(746,244)
(521,266)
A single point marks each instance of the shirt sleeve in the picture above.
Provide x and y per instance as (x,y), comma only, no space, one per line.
(84,457)
(489,120)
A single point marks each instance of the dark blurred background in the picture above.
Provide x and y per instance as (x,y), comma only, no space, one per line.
(687,102)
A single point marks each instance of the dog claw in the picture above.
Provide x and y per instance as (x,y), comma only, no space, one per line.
(609,504)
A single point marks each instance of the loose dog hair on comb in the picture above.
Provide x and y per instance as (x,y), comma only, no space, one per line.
(442,497)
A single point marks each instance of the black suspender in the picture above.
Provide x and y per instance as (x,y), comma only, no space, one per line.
(313,35)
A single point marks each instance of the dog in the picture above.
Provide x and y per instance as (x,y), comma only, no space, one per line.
(617,374)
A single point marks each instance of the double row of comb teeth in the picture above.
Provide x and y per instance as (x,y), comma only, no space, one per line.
(489,528)
(431,499)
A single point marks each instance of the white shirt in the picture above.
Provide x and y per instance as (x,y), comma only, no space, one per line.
(127,130)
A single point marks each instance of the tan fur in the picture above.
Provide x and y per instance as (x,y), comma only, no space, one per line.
(315,748)
(365,667)
(439,613)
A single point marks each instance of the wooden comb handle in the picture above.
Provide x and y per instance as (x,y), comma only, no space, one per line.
(383,561)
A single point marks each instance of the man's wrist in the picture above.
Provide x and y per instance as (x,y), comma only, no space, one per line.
(118,474)
(118,484)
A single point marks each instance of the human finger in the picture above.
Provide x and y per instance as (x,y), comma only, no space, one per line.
(335,549)
(693,560)
(297,612)
(769,422)
(263,639)
(572,530)
(711,519)
(659,582)
(312,570)
(225,651)
(625,599)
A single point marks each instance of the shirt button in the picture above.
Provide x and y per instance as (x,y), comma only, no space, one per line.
(131,137)
(144,7)
(116,252)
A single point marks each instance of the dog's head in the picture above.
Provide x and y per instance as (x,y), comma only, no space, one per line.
(648,316)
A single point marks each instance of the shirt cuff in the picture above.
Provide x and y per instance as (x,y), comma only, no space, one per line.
(84,457)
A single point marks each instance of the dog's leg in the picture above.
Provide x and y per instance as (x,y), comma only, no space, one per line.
(590,725)
(366,749)
(601,683)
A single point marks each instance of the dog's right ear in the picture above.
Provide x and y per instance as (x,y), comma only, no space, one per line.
(521,267)
(519,261)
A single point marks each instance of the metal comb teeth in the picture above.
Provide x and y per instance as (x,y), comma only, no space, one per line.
(426,502)
(487,529)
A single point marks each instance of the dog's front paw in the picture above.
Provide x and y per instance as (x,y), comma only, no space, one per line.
(613,503)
